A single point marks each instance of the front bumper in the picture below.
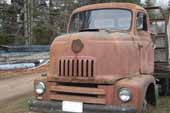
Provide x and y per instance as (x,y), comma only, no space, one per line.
(56,107)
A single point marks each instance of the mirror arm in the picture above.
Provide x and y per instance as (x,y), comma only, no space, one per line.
(153,34)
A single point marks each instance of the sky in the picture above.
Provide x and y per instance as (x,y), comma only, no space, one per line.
(8,1)
(162,3)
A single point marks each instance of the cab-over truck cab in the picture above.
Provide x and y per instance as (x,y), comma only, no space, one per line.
(104,64)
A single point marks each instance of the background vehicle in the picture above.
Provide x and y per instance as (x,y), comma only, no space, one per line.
(159,25)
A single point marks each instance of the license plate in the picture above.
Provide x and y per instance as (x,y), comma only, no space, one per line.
(69,106)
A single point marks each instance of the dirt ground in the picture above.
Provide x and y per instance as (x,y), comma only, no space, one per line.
(19,105)
(17,86)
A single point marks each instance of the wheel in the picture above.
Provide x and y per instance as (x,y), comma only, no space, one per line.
(145,108)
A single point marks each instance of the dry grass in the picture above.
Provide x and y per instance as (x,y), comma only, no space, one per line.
(6,75)
(163,105)
(17,105)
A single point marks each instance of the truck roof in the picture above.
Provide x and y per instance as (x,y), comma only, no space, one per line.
(129,6)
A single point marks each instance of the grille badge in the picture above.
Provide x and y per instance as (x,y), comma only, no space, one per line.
(77,45)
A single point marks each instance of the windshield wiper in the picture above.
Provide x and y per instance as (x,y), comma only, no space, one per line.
(94,30)
(83,30)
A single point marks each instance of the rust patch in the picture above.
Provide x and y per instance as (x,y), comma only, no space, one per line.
(77,45)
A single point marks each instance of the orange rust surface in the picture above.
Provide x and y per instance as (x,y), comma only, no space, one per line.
(116,55)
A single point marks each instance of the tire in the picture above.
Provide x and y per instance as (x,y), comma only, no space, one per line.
(145,107)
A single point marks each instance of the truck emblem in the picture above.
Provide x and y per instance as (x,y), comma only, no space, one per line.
(77,46)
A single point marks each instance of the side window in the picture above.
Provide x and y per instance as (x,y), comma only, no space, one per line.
(141,22)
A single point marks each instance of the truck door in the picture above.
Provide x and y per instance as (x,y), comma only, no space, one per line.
(145,44)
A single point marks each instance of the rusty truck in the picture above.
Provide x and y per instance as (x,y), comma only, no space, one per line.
(104,64)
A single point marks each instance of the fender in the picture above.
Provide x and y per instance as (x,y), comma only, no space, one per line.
(138,86)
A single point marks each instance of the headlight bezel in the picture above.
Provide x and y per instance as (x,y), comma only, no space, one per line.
(126,90)
(39,87)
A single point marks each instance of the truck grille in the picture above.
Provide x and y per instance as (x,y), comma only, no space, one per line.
(79,68)
(86,93)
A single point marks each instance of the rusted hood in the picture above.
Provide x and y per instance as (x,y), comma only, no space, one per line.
(114,54)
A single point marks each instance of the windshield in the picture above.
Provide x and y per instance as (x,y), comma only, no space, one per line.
(110,19)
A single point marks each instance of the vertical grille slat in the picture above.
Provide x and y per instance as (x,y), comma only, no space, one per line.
(92,68)
(72,67)
(68,67)
(77,68)
(59,67)
(87,68)
(82,68)
(64,68)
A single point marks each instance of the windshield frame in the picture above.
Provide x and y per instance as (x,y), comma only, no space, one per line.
(128,30)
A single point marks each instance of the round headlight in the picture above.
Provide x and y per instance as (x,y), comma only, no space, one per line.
(125,95)
(40,88)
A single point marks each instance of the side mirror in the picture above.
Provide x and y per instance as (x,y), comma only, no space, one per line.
(139,24)
(140,21)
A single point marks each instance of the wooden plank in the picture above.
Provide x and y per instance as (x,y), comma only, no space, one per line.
(83,99)
(79,90)
(152,7)
(161,55)
(162,75)
(161,35)
(156,20)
